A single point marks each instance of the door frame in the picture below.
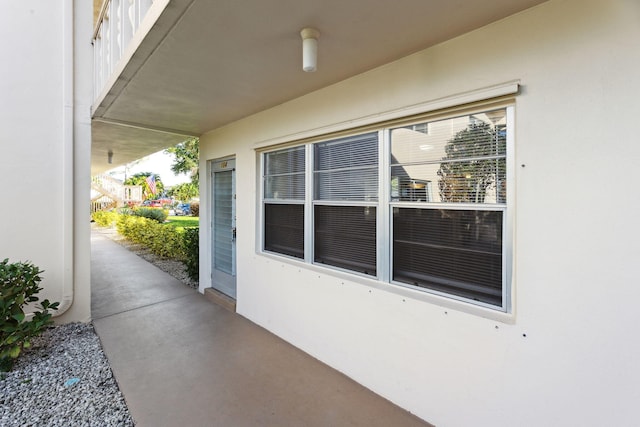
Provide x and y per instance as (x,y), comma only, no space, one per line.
(221,281)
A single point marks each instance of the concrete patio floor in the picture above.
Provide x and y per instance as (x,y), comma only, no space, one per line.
(181,360)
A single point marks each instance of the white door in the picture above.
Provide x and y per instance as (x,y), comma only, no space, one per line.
(223,226)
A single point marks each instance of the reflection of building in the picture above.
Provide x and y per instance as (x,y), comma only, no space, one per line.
(538,340)
(406,189)
(420,156)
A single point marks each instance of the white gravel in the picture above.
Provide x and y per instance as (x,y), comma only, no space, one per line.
(63,380)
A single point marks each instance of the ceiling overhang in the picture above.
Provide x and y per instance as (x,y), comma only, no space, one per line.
(204,64)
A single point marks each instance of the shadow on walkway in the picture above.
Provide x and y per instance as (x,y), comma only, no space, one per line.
(182,361)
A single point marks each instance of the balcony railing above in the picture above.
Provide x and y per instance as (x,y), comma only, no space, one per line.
(117,24)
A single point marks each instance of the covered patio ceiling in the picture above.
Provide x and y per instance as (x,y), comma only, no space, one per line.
(207,63)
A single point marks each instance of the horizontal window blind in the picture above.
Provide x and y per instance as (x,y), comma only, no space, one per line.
(345,237)
(284,182)
(347,168)
(284,229)
(453,251)
(284,174)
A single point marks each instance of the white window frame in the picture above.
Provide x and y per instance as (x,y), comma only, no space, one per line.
(385,206)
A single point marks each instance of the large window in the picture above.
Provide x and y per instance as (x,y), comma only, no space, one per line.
(421,205)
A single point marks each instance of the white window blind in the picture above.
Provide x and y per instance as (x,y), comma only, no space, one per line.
(346,170)
(284,174)
(284,193)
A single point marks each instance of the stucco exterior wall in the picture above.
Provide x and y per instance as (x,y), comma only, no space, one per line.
(44,131)
(566,354)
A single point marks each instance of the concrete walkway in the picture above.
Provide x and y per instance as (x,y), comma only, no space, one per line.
(182,361)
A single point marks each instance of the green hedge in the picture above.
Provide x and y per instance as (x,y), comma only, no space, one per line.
(104,218)
(192,252)
(166,242)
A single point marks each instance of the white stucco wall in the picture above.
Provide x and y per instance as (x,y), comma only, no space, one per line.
(42,135)
(566,355)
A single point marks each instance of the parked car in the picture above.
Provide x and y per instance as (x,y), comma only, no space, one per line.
(183,209)
(152,204)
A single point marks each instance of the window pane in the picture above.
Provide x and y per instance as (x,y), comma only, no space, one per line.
(345,237)
(351,152)
(477,181)
(347,169)
(284,187)
(284,229)
(350,184)
(462,160)
(453,251)
(284,174)
(289,160)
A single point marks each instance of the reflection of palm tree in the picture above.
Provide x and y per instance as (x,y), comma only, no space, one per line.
(474,162)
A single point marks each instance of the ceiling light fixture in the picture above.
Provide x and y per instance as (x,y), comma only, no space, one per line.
(309,49)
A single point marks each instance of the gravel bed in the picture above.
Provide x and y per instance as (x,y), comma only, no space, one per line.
(64,379)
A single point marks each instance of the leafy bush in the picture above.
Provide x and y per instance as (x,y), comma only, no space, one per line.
(192,252)
(167,242)
(18,287)
(195,209)
(162,240)
(132,227)
(104,218)
(156,214)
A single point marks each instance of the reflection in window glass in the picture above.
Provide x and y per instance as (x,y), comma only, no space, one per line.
(460,160)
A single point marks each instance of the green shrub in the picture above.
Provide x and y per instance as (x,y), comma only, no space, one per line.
(192,252)
(156,214)
(104,218)
(135,228)
(167,242)
(164,241)
(18,287)
(195,209)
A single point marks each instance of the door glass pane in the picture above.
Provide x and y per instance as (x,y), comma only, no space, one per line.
(223,221)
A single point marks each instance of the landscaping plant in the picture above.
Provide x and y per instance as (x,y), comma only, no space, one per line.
(192,252)
(156,214)
(162,240)
(18,287)
(195,209)
(104,218)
